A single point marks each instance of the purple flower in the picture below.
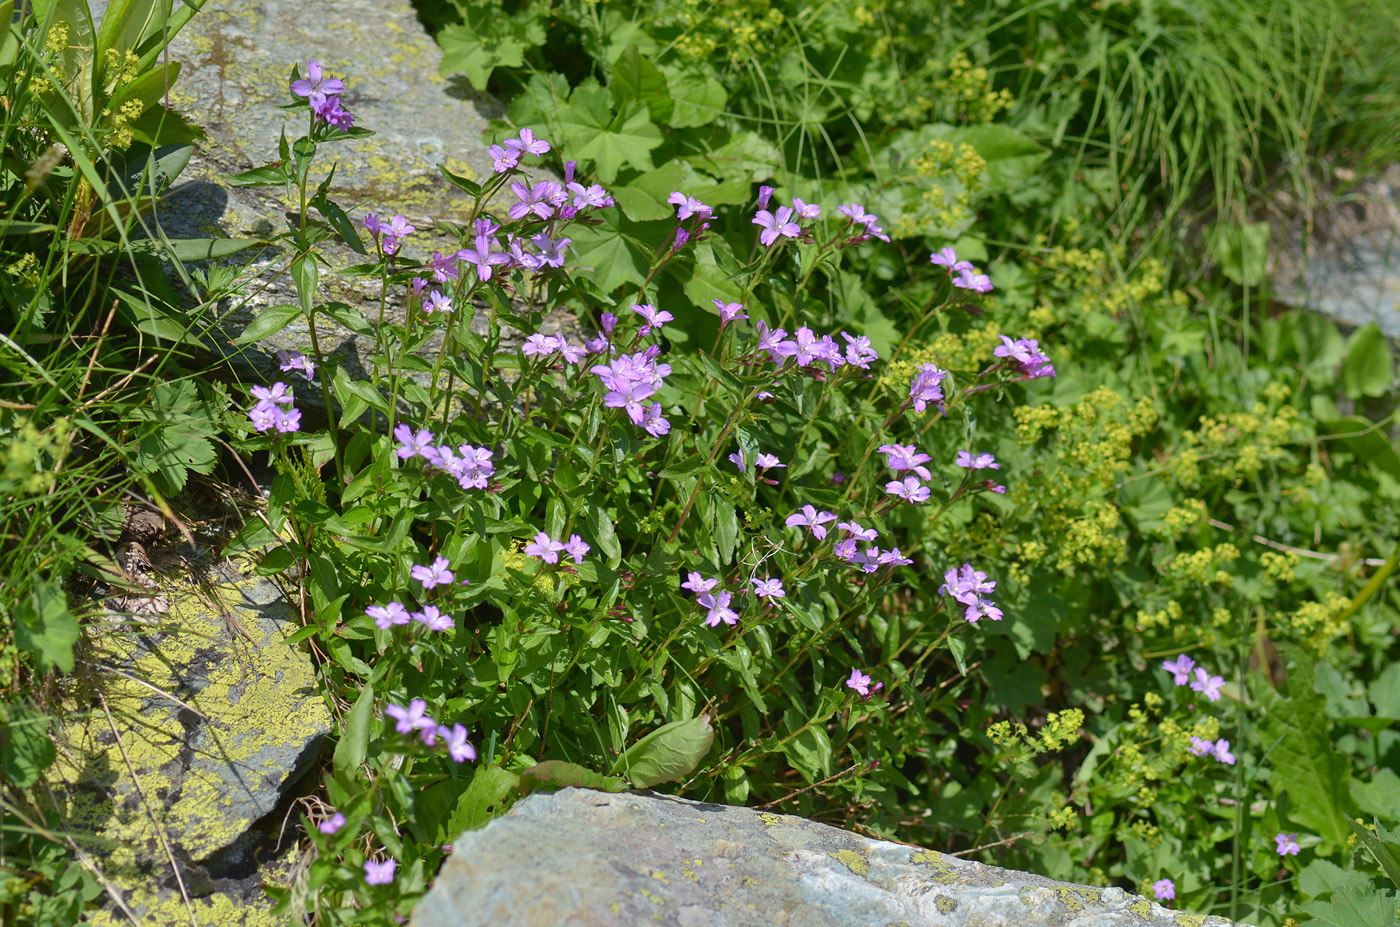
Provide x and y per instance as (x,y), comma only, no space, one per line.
(433,619)
(1287,844)
(768,587)
(687,206)
(1026,353)
(805,210)
(538,345)
(812,519)
(856,213)
(776,225)
(908,489)
(980,462)
(590,197)
(968,280)
(717,608)
(1207,684)
(654,422)
(654,318)
(575,547)
(268,413)
(436,302)
(900,457)
(332,824)
(1200,747)
(893,557)
(503,159)
(332,113)
(767,461)
(927,387)
(1221,751)
(859,681)
(317,87)
(484,256)
(433,576)
(278,393)
(607,321)
(729,312)
(1180,669)
(380,873)
(970,587)
(444,266)
(544,547)
(845,550)
(774,342)
(698,584)
(527,143)
(858,531)
(386,616)
(295,360)
(948,259)
(454,738)
(410,719)
(411,443)
(1164,889)
(859,351)
(765,194)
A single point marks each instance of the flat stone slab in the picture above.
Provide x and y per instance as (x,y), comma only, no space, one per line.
(212,715)
(578,858)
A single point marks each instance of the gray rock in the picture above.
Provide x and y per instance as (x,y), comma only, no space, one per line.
(186,734)
(579,858)
(237,59)
(1350,269)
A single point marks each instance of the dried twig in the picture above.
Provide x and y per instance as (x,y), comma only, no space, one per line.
(1289,549)
(1000,843)
(809,788)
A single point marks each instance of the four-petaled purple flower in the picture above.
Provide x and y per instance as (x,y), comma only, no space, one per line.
(575,547)
(653,317)
(436,302)
(859,681)
(315,86)
(268,413)
(908,489)
(380,873)
(295,360)
(776,225)
(970,588)
(805,210)
(927,387)
(967,279)
(717,608)
(1287,844)
(545,548)
(432,618)
(900,457)
(484,255)
(527,143)
(434,575)
(812,519)
(698,584)
(1221,751)
(1207,684)
(387,616)
(768,587)
(1027,356)
(1164,889)
(729,312)
(332,824)
(410,719)
(454,738)
(1180,668)
(687,206)
(980,462)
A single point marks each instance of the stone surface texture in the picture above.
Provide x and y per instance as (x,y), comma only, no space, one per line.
(212,717)
(237,58)
(578,858)
(1350,269)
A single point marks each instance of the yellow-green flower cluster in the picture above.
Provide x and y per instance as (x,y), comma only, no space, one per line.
(1320,622)
(1203,566)
(1182,518)
(970,89)
(739,29)
(1236,446)
(30,455)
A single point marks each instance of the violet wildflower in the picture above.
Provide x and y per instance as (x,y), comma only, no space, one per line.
(387,616)
(717,608)
(278,393)
(527,143)
(1180,668)
(1207,684)
(295,360)
(410,719)
(856,213)
(970,588)
(434,575)
(812,519)
(768,587)
(1221,751)
(572,352)
(544,547)
(777,225)
(967,279)
(687,206)
(774,342)
(1287,844)
(908,489)
(380,873)
(538,345)
(575,547)
(737,459)
(947,258)
(1200,747)
(767,462)
(436,302)
(927,387)
(607,322)
(859,681)
(1164,889)
(590,197)
(454,738)
(859,351)
(315,87)
(698,584)
(805,210)
(845,549)
(893,557)
(332,824)
(432,618)
(765,194)
(654,422)
(1027,355)
(729,312)
(268,413)
(531,200)
(654,318)
(901,457)
(858,531)
(444,266)
(332,113)
(980,462)
(484,255)
(503,159)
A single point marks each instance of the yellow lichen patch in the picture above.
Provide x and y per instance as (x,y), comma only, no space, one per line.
(943,871)
(214,909)
(690,874)
(1075,897)
(1190,920)
(1142,908)
(770,820)
(945,904)
(660,876)
(852,861)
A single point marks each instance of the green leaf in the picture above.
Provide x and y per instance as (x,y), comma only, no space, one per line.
(672,751)
(354,737)
(1369,366)
(698,100)
(810,753)
(267,176)
(465,50)
(726,529)
(557,774)
(609,258)
(171,451)
(1351,907)
(1241,250)
(44,627)
(340,221)
(180,249)
(1305,762)
(593,132)
(484,799)
(635,78)
(269,321)
(604,533)
(1386,853)
(305,275)
(26,749)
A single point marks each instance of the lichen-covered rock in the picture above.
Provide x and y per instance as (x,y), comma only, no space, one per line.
(238,57)
(188,733)
(578,858)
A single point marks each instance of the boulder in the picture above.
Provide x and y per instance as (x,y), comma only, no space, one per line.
(187,736)
(578,858)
